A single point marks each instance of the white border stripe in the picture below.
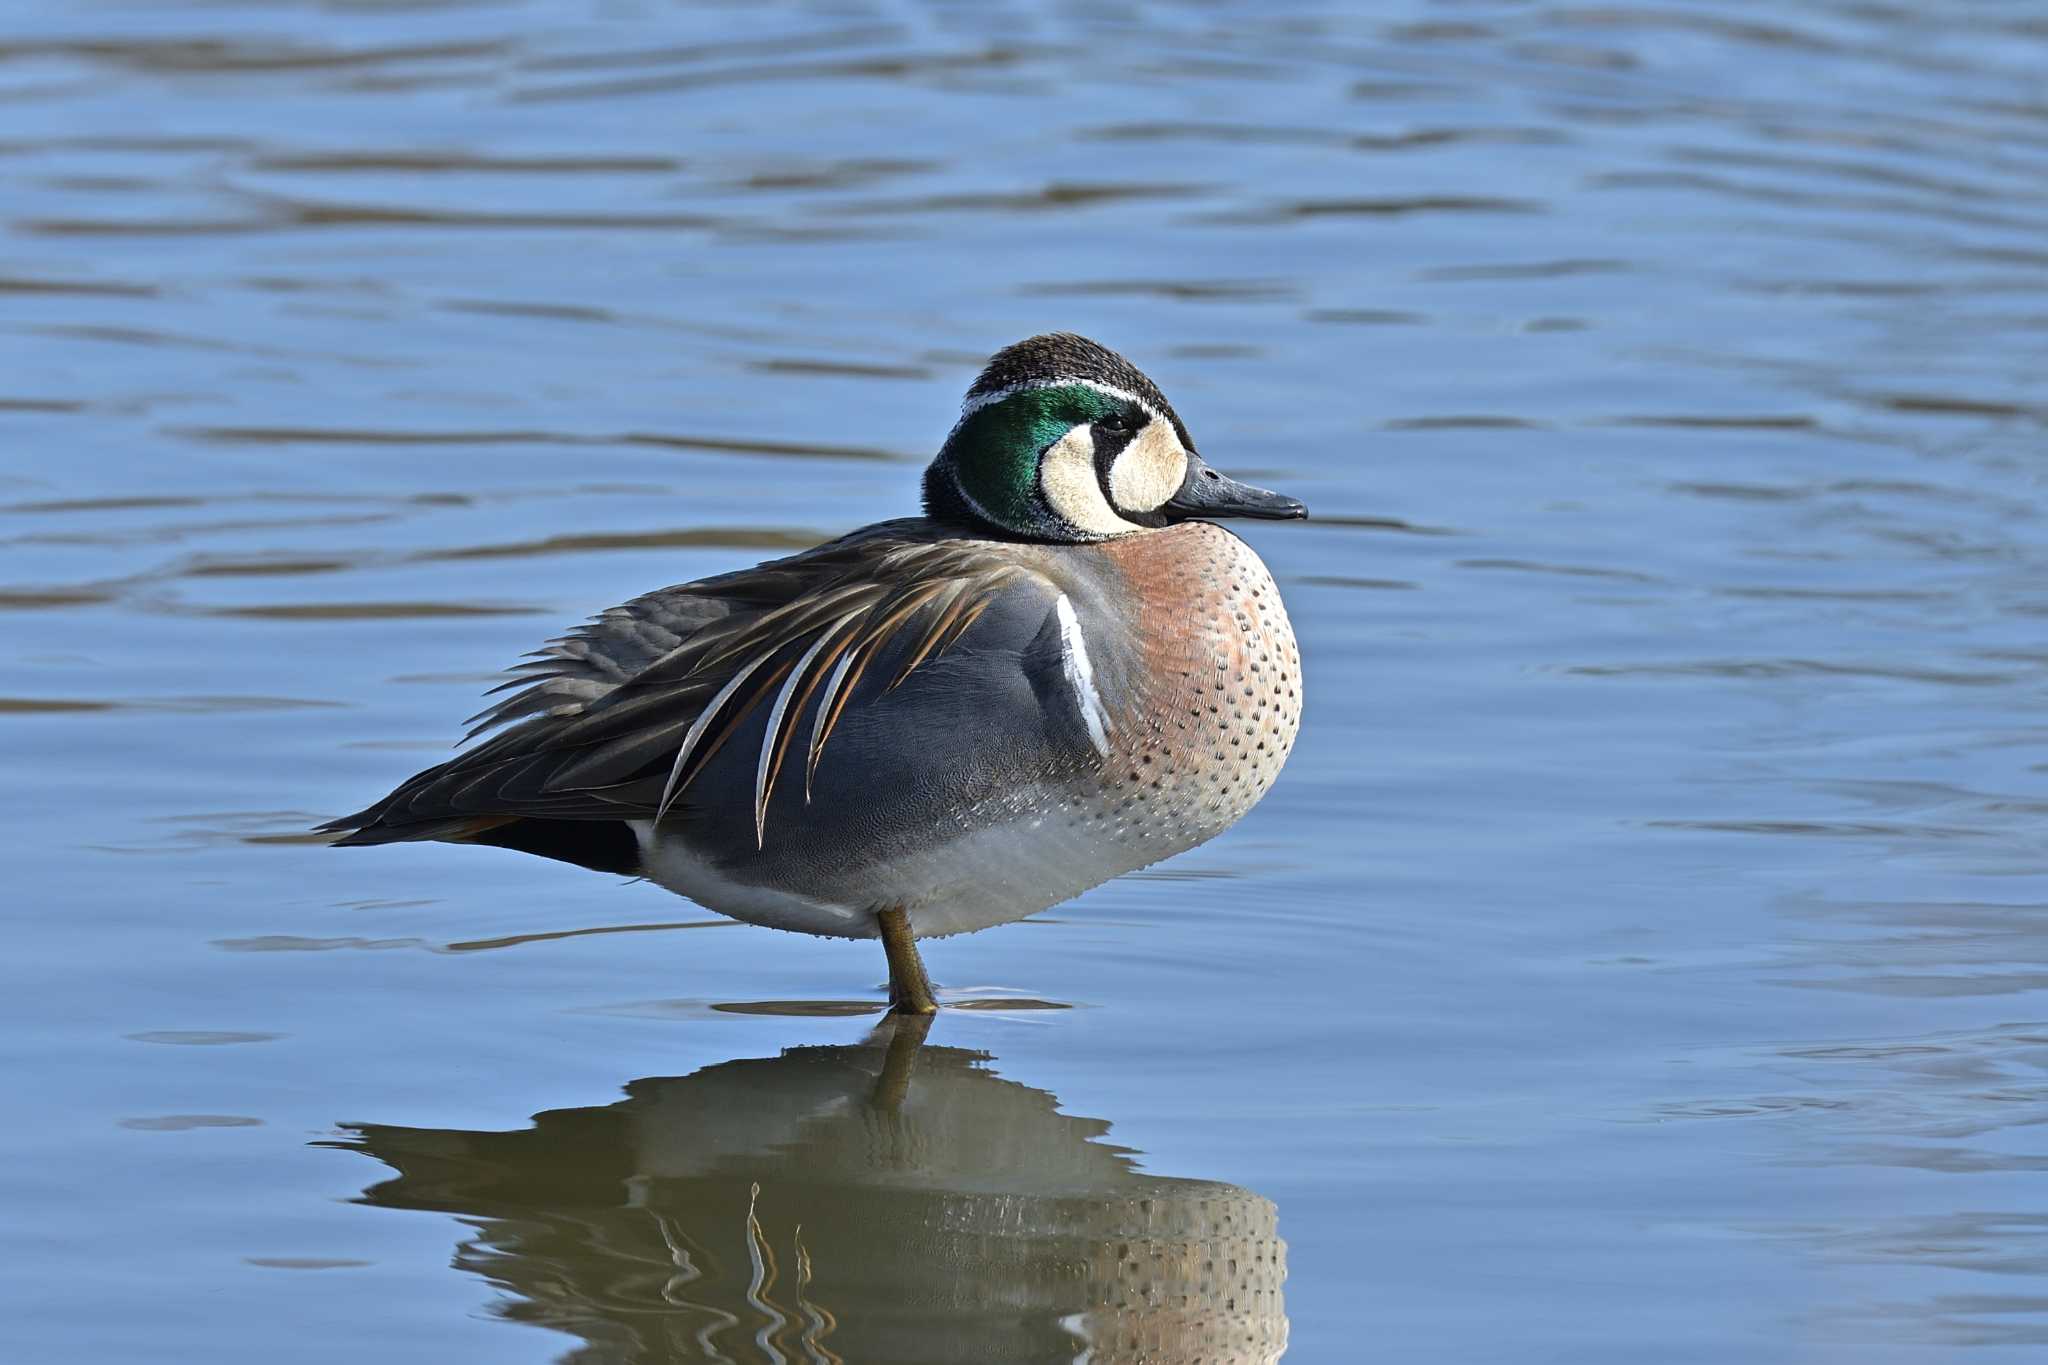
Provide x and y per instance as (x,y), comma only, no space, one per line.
(974,403)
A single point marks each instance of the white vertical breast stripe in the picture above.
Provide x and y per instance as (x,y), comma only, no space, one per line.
(1081,675)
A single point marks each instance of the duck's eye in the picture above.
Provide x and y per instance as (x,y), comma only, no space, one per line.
(1119,421)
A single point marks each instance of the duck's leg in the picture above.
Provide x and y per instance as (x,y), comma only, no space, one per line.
(900,1035)
(910,990)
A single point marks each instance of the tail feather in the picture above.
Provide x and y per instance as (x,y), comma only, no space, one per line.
(600,845)
(368,827)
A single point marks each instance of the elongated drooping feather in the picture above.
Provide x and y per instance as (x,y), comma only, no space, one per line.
(674,786)
(616,720)
(774,739)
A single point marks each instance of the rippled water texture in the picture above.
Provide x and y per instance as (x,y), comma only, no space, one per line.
(1643,958)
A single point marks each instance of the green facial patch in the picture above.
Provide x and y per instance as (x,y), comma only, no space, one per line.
(995,452)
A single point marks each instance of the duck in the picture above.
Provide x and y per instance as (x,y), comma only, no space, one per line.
(1063,671)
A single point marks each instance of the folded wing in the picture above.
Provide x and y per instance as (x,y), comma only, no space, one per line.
(617,720)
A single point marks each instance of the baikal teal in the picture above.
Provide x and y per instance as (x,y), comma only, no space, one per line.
(1062,673)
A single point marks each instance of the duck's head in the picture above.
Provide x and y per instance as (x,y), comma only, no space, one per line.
(1062,439)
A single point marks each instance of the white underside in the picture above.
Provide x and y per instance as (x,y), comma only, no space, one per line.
(674,867)
(993,875)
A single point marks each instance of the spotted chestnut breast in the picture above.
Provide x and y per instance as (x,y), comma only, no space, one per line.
(1221,702)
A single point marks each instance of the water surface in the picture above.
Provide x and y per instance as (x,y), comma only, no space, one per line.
(1643,956)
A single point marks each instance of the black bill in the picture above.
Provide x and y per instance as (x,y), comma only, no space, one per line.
(1206,493)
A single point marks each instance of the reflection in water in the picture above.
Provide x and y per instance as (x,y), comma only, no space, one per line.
(881,1202)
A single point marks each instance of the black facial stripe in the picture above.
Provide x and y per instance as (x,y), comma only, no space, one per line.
(1109,445)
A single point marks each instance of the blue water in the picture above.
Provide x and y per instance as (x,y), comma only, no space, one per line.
(1644,955)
